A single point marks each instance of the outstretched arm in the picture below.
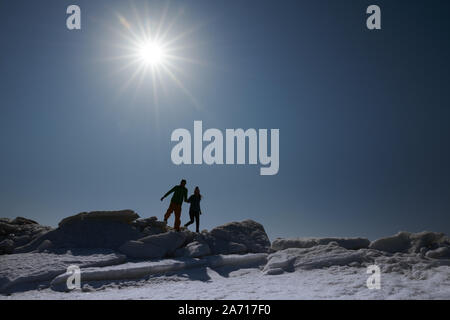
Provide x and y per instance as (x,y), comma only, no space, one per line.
(168,192)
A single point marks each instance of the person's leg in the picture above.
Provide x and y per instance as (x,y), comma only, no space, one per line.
(197,221)
(169,212)
(191,216)
(177,211)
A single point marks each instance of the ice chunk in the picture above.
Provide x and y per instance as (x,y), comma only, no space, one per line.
(316,257)
(411,242)
(347,243)
(143,269)
(24,269)
(193,250)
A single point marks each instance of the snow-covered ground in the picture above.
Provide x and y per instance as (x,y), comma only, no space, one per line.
(319,272)
(337,282)
(232,261)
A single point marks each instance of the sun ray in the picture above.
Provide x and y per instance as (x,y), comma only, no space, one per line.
(182,87)
(170,26)
(153,50)
(184,59)
(130,80)
(161,23)
(138,19)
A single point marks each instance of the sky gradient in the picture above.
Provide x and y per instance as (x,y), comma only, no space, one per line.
(363,115)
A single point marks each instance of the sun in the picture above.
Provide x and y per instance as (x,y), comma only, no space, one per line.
(151,53)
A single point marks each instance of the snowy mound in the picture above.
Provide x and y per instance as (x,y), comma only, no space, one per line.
(115,247)
(25,270)
(347,243)
(315,257)
(233,238)
(143,269)
(97,229)
(249,234)
(330,255)
(154,246)
(124,216)
(422,242)
(144,238)
(18,232)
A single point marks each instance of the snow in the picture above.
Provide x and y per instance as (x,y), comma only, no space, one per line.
(25,269)
(321,272)
(337,282)
(413,266)
(143,269)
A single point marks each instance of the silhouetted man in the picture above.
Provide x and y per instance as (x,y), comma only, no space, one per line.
(179,194)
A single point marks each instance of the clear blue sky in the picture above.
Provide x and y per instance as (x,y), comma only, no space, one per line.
(363,116)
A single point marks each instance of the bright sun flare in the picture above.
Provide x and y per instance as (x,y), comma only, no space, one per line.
(154,51)
(151,53)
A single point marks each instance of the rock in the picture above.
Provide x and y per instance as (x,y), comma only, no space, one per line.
(141,250)
(170,240)
(21,240)
(34,244)
(89,233)
(150,226)
(220,246)
(97,229)
(141,224)
(21,231)
(405,242)
(440,253)
(316,257)
(23,221)
(94,234)
(124,216)
(45,245)
(8,228)
(397,243)
(155,246)
(281,244)
(427,240)
(273,272)
(6,246)
(347,243)
(240,237)
(87,288)
(193,250)
(355,264)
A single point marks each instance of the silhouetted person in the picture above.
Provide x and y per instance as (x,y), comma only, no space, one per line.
(194,210)
(179,194)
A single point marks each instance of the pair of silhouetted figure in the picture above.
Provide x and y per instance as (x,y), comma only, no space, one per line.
(179,194)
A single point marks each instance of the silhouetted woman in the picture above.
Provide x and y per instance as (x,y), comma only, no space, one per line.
(194,210)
